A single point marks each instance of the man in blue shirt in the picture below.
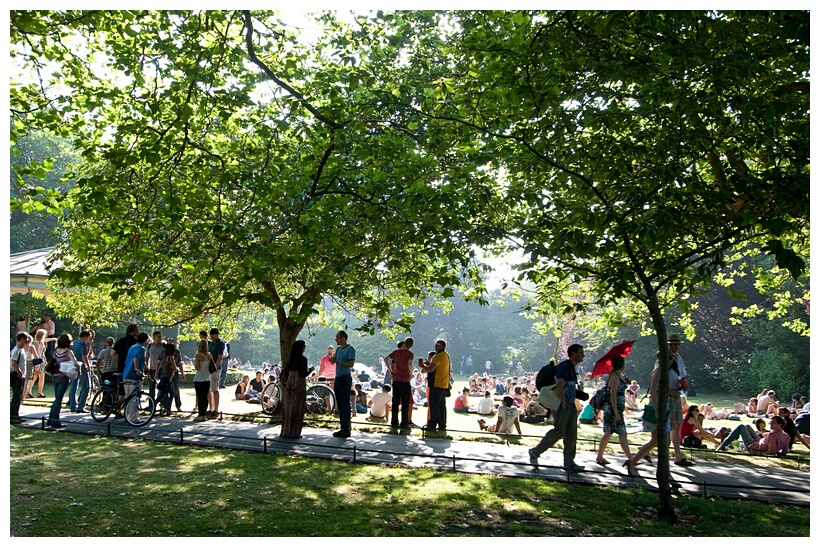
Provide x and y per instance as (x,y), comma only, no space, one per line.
(566,417)
(135,362)
(344,358)
(80,349)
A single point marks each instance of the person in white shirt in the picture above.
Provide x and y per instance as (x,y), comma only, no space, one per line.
(486,406)
(18,375)
(507,419)
(380,403)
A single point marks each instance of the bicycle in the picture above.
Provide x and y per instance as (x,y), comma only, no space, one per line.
(137,408)
(320,398)
(93,380)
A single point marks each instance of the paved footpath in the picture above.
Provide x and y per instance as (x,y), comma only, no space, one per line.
(774,485)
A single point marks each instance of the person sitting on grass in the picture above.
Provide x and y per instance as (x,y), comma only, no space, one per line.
(775,442)
(359,399)
(692,432)
(518,398)
(462,404)
(507,418)
(380,403)
(791,429)
(589,416)
(746,433)
(241,392)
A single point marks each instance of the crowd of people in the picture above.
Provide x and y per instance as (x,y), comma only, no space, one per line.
(501,403)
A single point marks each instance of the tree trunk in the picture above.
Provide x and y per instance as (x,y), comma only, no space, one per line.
(293,406)
(293,389)
(666,511)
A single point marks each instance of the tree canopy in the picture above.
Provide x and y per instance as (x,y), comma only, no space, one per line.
(639,148)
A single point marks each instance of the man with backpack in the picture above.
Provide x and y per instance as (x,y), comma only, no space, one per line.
(566,416)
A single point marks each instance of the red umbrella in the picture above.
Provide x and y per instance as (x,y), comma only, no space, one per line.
(604,364)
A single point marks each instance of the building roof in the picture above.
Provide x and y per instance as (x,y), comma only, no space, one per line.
(28,271)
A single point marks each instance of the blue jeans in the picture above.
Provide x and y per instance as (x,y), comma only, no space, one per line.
(341,388)
(223,374)
(60,384)
(82,380)
(438,409)
(745,432)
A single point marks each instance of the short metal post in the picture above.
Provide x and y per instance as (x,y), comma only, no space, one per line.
(108,427)
(43,419)
(181,436)
(265,439)
(354,454)
(454,462)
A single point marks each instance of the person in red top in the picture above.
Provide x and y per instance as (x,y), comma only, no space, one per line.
(692,427)
(462,403)
(775,442)
(400,362)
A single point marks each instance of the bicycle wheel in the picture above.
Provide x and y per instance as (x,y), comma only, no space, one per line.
(271,398)
(321,400)
(103,404)
(139,409)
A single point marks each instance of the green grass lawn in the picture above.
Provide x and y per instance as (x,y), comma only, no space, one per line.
(75,485)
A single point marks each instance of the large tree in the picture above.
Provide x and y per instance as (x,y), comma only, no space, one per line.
(639,147)
(227,163)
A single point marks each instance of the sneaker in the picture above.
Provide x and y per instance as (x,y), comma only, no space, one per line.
(533,459)
(81,411)
(573,467)
(343,434)
(57,426)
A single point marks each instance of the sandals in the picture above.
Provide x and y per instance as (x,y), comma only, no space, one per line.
(630,468)
(601,461)
(684,463)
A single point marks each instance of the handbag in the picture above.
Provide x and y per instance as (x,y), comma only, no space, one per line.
(649,415)
(37,361)
(68,368)
(548,398)
(51,367)
(211,367)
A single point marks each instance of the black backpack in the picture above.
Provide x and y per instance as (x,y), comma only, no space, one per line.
(546,376)
(598,398)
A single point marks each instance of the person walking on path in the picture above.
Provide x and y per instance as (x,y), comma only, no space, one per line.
(566,417)
(614,406)
(344,358)
(62,354)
